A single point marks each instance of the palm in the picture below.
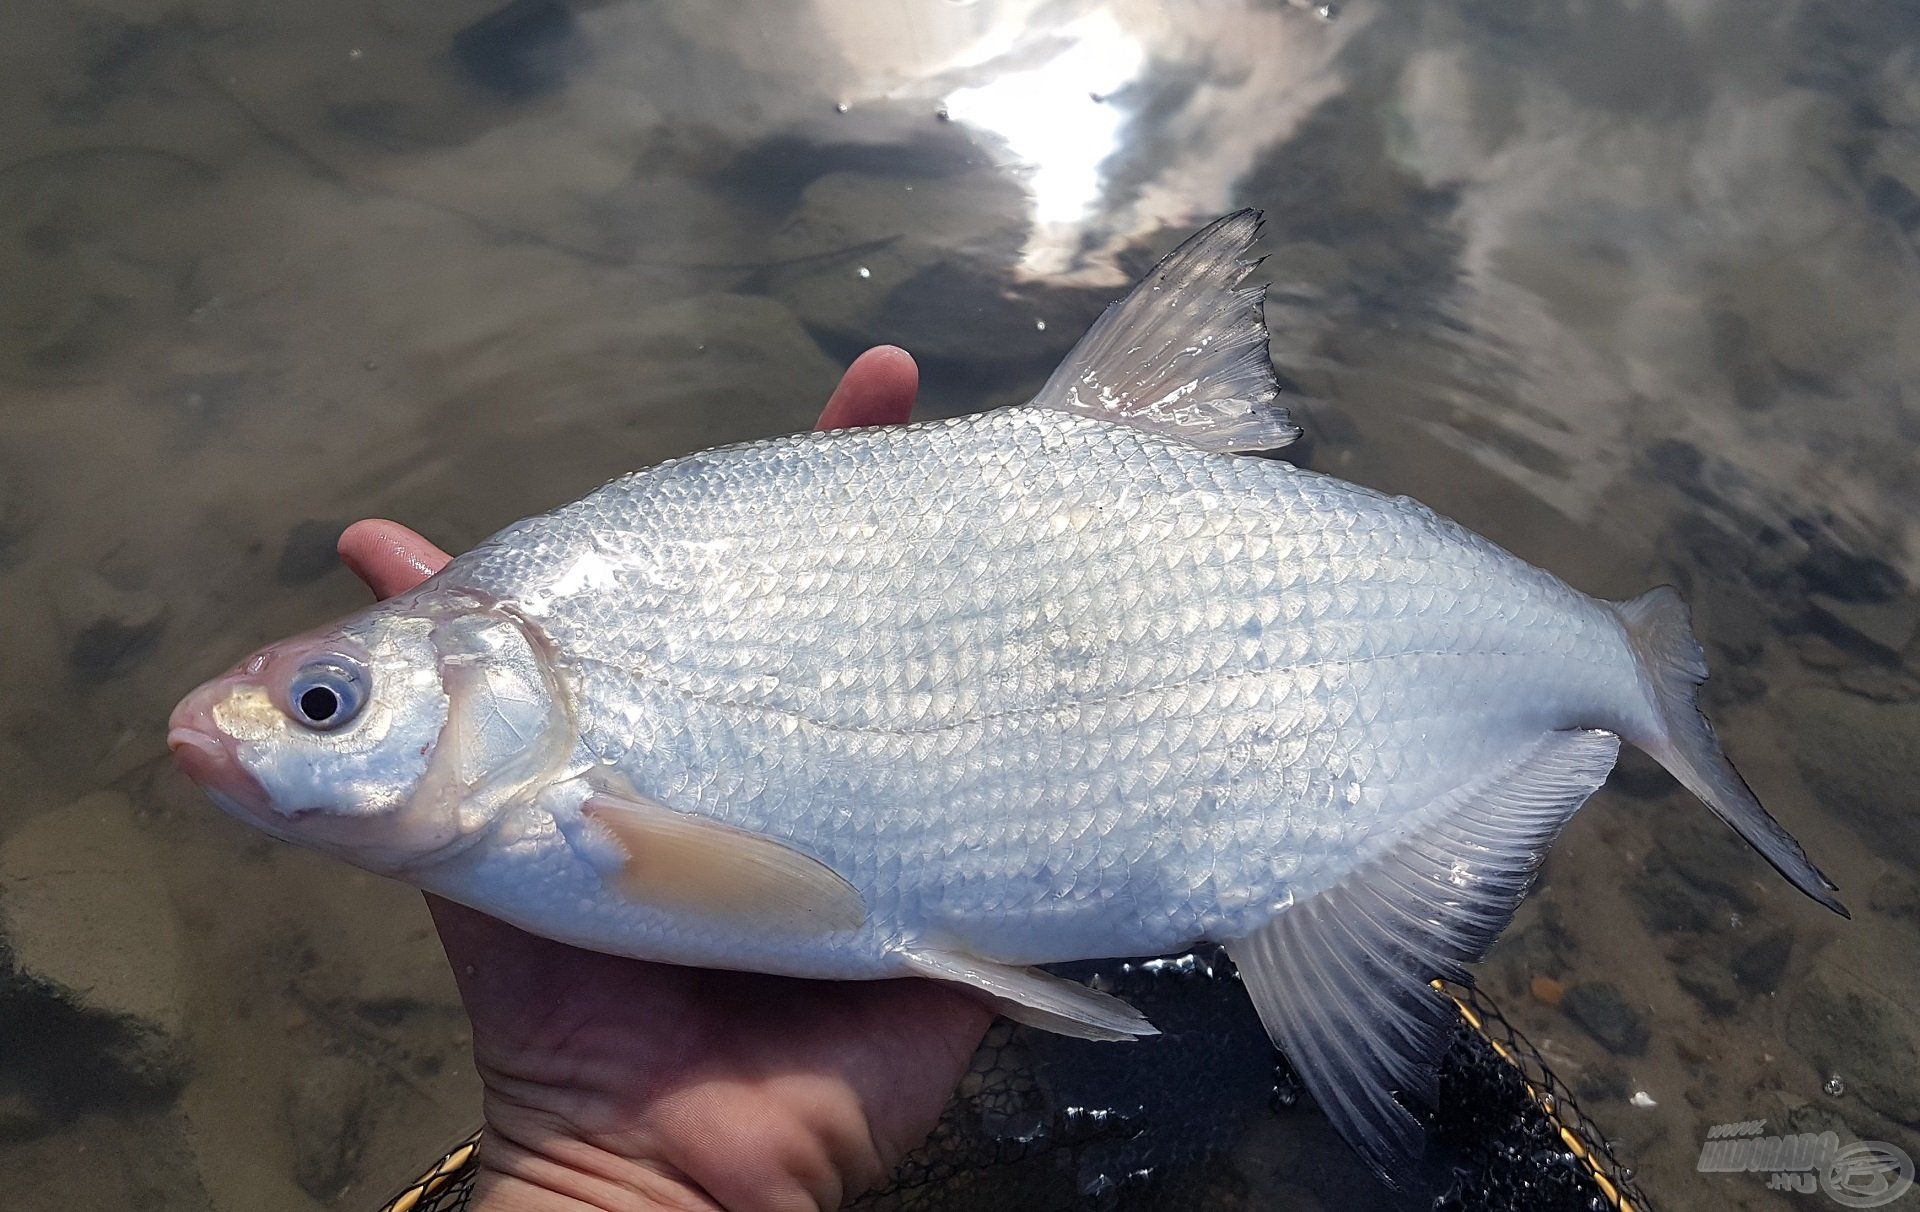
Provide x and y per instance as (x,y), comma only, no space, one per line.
(609,1076)
(749,1084)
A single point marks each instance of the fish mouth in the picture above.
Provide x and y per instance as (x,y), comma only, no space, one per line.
(208,759)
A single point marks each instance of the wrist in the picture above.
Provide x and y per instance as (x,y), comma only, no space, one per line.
(704,1149)
(496,1192)
(564,1174)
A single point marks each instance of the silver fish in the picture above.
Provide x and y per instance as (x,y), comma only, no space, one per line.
(1063,681)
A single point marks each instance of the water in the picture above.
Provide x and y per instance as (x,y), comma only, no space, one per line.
(1628,286)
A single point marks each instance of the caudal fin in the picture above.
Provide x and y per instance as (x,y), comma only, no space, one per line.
(1659,630)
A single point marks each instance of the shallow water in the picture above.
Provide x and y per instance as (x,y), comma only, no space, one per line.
(1628,286)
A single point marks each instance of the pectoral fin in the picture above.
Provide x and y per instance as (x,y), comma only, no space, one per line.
(1036,998)
(692,865)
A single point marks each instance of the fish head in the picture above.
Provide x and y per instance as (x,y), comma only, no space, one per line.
(391,739)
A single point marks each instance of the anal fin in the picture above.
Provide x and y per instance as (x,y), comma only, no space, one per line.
(686,863)
(1036,998)
(1341,980)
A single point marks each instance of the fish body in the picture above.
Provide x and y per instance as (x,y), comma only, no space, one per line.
(1043,685)
(1064,681)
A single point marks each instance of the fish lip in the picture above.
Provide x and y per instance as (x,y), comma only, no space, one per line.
(181,737)
(209,760)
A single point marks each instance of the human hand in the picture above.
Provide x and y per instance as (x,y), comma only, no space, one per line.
(620,1086)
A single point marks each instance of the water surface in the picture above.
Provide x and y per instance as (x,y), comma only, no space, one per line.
(1628,286)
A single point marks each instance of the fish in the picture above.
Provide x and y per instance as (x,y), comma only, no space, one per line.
(1080,678)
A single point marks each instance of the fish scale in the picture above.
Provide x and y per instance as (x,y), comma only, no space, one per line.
(1115,648)
(1057,682)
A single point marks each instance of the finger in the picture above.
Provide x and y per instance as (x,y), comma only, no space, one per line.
(878,389)
(388,557)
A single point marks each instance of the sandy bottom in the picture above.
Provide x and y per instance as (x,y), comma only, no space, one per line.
(1628,287)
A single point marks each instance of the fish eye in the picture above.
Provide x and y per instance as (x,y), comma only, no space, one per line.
(327,693)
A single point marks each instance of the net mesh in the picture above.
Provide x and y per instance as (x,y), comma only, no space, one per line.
(1207,1115)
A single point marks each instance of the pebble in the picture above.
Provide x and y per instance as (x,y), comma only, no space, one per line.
(1710,984)
(1743,685)
(1600,1081)
(1598,1007)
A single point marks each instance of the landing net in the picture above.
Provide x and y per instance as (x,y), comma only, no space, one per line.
(1207,1116)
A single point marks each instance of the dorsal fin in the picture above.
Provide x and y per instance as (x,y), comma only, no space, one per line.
(1185,353)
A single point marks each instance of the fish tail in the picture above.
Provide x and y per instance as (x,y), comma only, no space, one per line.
(1672,667)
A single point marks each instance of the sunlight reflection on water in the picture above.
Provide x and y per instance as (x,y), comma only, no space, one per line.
(1629,287)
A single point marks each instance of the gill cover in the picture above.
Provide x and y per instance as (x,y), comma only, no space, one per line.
(461,715)
(506,729)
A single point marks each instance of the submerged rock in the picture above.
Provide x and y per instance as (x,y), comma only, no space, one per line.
(1603,1082)
(1887,625)
(107,648)
(21,1117)
(521,50)
(1895,894)
(1539,941)
(1598,1007)
(1858,757)
(1706,978)
(1818,652)
(1690,882)
(90,956)
(930,269)
(113,628)
(1834,573)
(1879,683)
(1759,965)
(328,1112)
(1856,1023)
(1639,776)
